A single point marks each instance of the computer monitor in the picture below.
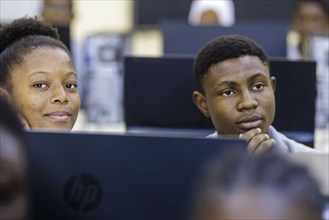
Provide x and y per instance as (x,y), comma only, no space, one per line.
(106,176)
(182,38)
(158,94)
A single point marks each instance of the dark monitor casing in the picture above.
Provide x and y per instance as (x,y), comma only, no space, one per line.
(84,176)
(182,38)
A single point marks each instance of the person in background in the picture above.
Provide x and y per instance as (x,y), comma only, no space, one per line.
(308,17)
(37,75)
(60,15)
(212,12)
(235,89)
(308,38)
(242,186)
(14,193)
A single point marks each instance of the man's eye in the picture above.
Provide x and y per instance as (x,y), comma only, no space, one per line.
(40,85)
(228,93)
(258,86)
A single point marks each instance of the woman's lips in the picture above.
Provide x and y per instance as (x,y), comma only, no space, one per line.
(249,122)
(58,116)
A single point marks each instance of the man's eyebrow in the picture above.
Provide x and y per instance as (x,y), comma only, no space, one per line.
(234,84)
(227,83)
(257,75)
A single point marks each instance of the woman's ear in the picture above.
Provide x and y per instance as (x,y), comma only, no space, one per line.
(200,102)
(273,83)
(5,94)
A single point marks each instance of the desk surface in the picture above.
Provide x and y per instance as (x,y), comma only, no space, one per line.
(321,135)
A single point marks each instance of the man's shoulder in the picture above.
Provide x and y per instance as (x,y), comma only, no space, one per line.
(285,144)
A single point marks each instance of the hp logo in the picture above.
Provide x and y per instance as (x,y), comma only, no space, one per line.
(82,193)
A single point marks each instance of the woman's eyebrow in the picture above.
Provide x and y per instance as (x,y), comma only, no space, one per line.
(71,73)
(37,73)
(44,73)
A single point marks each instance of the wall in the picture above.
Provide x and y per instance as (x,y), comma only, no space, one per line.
(11,9)
(101,16)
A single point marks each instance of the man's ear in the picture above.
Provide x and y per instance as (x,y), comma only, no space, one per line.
(5,94)
(273,83)
(200,102)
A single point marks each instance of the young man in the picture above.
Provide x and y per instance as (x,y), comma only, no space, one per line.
(236,91)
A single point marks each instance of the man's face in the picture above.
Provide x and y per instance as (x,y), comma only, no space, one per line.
(239,96)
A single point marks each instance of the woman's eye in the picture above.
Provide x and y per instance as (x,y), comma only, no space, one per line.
(40,85)
(71,86)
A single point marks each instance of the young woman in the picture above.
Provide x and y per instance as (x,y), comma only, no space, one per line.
(37,75)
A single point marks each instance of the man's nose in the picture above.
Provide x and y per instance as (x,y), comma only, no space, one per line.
(247,101)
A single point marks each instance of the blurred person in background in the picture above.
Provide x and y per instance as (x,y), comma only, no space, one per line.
(307,39)
(14,191)
(212,12)
(308,17)
(242,186)
(60,14)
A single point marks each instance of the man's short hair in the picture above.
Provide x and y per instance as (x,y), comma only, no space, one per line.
(223,48)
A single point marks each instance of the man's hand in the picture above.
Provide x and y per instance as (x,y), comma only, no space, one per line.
(257,141)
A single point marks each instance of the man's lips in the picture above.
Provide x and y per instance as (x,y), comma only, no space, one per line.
(249,122)
(58,116)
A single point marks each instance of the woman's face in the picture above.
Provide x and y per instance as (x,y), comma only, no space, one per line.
(44,89)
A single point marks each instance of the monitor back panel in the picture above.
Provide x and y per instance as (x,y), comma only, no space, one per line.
(181,38)
(158,93)
(98,176)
